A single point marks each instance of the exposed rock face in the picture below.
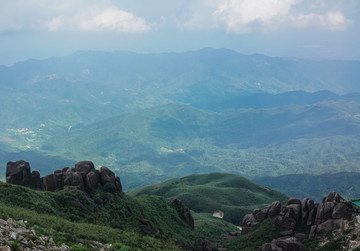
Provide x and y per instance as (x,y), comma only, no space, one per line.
(29,240)
(332,213)
(84,177)
(18,173)
(204,245)
(84,167)
(249,223)
(183,211)
(93,180)
(73,179)
(50,183)
(283,243)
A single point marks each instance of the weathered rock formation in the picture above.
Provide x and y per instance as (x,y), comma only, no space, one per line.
(332,213)
(83,176)
(183,211)
(28,240)
(288,243)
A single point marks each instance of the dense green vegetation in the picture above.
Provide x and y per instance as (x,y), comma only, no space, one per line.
(206,193)
(106,217)
(264,233)
(176,140)
(315,186)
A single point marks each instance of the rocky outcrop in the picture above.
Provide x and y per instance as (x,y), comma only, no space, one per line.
(183,211)
(320,217)
(16,236)
(19,173)
(283,243)
(26,239)
(205,245)
(332,213)
(83,176)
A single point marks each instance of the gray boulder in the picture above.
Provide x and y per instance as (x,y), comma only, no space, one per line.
(325,227)
(36,181)
(50,182)
(342,210)
(274,209)
(311,217)
(294,210)
(107,176)
(261,214)
(310,205)
(293,200)
(18,173)
(73,179)
(118,184)
(92,180)
(204,245)
(84,167)
(304,210)
(248,224)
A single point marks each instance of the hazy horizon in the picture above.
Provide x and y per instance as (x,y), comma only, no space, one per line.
(307,29)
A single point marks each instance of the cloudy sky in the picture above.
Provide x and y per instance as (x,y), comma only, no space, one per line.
(317,29)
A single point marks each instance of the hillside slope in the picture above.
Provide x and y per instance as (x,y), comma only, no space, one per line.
(176,140)
(234,195)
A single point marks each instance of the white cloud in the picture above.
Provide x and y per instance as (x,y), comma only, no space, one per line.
(112,19)
(54,24)
(232,16)
(69,15)
(244,16)
(334,21)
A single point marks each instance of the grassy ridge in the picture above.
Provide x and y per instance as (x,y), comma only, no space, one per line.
(71,211)
(106,217)
(71,232)
(206,193)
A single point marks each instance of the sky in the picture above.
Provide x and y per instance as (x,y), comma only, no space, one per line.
(313,29)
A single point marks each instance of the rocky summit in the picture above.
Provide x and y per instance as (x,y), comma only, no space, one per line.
(83,176)
(333,214)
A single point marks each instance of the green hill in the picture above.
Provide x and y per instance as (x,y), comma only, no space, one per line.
(108,217)
(206,193)
(176,140)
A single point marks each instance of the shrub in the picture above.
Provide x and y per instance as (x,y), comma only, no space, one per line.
(109,188)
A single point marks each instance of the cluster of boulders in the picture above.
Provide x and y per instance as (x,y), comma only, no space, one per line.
(15,235)
(332,213)
(83,176)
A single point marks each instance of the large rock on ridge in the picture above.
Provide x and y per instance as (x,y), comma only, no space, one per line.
(83,176)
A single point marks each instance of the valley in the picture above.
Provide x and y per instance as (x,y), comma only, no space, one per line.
(186,133)
(151,117)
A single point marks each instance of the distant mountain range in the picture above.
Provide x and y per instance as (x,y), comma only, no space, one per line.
(315,186)
(152,117)
(176,140)
(90,86)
